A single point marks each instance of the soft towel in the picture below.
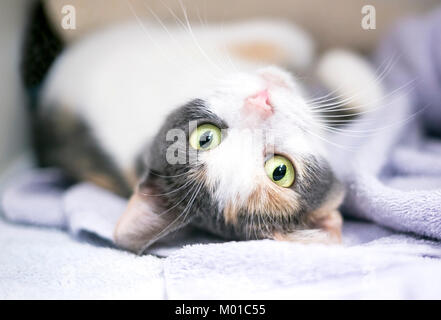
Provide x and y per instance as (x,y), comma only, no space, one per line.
(375,263)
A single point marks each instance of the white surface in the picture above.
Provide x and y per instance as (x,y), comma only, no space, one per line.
(40,263)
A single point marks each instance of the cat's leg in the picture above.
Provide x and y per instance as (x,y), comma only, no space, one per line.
(351,79)
(63,140)
(328,231)
(325,223)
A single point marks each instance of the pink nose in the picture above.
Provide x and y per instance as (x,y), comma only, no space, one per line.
(259,104)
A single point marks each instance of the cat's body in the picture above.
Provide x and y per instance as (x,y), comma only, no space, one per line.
(110,102)
(123,82)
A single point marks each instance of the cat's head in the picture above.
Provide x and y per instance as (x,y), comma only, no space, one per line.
(244,161)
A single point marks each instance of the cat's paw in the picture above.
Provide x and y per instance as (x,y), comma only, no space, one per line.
(312,236)
(351,78)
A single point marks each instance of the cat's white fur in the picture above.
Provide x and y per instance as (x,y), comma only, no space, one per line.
(124,81)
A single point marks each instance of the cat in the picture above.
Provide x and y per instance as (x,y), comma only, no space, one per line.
(202,125)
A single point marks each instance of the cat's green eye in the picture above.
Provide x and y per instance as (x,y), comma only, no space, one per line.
(205,137)
(280,170)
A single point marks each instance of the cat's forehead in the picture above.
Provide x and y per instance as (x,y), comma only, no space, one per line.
(290,126)
(229,96)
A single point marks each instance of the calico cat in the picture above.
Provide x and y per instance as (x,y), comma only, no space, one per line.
(197,125)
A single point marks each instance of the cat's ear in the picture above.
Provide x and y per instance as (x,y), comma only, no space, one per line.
(146,220)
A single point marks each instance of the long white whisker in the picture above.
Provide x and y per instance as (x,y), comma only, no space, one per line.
(167,193)
(378,78)
(330,142)
(164,230)
(375,102)
(230,61)
(337,102)
(323,99)
(170,10)
(147,33)
(179,202)
(190,204)
(372,132)
(190,30)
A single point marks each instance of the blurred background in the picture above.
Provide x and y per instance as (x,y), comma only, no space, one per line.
(332,24)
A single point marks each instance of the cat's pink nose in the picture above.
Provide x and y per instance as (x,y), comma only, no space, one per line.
(259,104)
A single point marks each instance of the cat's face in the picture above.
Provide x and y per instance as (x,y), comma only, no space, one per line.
(244,161)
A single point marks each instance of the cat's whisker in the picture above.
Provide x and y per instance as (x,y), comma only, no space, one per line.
(178,203)
(227,53)
(175,16)
(253,224)
(343,121)
(227,60)
(195,190)
(373,132)
(187,208)
(343,147)
(171,176)
(192,189)
(197,44)
(190,204)
(266,225)
(162,24)
(324,117)
(392,61)
(167,193)
(183,26)
(347,100)
(259,218)
(375,102)
(222,60)
(167,228)
(149,36)
(346,133)
(337,105)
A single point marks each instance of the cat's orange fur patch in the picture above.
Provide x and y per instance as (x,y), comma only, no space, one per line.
(266,199)
(260,51)
(308,236)
(102,180)
(328,218)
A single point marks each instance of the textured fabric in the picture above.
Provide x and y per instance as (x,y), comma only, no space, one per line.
(393,169)
(39,262)
(375,263)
